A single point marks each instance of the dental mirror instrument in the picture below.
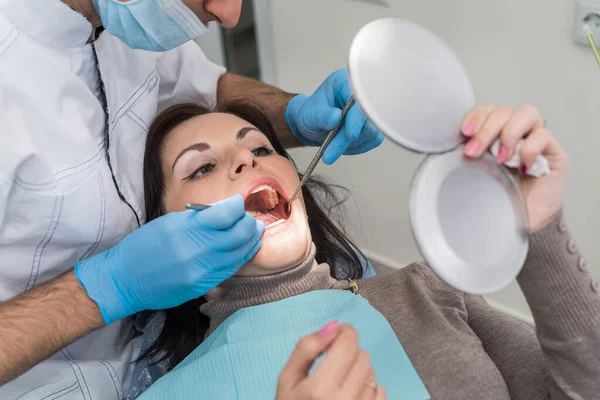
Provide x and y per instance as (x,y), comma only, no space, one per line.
(590,38)
(467,215)
(197,207)
(319,155)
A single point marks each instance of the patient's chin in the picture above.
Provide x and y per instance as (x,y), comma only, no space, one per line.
(280,252)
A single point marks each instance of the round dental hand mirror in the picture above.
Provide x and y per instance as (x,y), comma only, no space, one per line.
(467,216)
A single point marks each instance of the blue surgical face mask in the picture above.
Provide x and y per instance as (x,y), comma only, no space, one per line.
(156,25)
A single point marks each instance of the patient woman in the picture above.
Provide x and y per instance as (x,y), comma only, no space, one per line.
(423,338)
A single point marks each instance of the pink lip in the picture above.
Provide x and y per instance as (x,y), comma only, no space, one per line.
(265,180)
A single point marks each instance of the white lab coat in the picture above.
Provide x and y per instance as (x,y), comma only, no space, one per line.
(58,202)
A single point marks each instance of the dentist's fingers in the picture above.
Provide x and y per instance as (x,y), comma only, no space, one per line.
(474,119)
(523,121)
(353,124)
(246,231)
(336,148)
(370,137)
(230,262)
(221,215)
(325,119)
(349,132)
(488,132)
(246,251)
(367,145)
(345,90)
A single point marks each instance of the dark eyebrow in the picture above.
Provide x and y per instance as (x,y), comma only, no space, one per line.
(244,131)
(196,146)
(203,146)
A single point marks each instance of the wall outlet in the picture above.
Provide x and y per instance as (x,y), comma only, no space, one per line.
(586,12)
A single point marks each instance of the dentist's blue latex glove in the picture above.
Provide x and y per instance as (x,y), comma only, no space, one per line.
(172,259)
(311,118)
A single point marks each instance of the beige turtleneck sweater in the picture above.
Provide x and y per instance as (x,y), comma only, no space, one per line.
(460,346)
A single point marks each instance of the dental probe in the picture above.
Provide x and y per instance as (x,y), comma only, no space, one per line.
(317,157)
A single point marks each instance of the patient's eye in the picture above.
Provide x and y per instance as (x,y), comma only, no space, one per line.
(262,151)
(201,171)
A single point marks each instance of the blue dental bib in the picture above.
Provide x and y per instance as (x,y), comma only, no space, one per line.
(243,357)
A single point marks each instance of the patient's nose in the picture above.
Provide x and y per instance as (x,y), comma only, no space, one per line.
(243,160)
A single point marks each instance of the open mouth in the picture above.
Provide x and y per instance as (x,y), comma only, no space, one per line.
(267,205)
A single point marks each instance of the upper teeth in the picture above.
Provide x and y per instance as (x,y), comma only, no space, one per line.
(263,187)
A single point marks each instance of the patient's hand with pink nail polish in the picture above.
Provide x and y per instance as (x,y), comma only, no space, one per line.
(345,373)
(543,196)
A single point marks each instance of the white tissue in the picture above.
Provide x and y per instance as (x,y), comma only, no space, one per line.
(540,166)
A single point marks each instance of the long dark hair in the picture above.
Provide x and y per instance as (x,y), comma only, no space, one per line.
(185,326)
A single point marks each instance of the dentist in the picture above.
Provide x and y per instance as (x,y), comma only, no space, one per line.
(80,81)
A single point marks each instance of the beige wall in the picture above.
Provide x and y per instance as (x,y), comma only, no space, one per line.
(515,51)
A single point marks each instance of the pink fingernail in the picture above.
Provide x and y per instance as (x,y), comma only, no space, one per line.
(502,155)
(329,328)
(469,128)
(522,168)
(472,147)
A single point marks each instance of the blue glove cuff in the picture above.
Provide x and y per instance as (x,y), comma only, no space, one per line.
(290,117)
(81,275)
(93,275)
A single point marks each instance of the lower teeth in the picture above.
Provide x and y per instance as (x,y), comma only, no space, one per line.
(276,223)
(277,219)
